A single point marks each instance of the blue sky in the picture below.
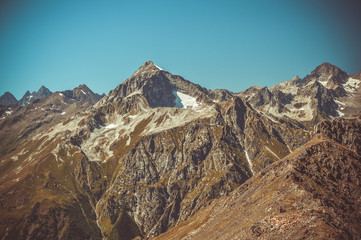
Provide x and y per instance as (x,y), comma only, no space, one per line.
(217,44)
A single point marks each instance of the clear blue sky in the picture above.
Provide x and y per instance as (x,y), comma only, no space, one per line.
(217,44)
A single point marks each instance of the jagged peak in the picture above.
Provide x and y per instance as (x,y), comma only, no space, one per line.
(295,78)
(148,66)
(7,94)
(82,86)
(27,93)
(326,68)
(8,99)
(44,90)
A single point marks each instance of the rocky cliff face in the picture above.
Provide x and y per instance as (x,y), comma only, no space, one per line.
(303,196)
(344,131)
(143,159)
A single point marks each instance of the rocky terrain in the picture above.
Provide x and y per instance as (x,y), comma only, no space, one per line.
(313,193)
(158,152)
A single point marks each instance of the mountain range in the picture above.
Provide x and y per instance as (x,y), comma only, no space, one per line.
(160,156)
(81,93)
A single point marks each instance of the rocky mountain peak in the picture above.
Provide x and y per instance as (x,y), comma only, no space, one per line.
(83,87)
(329,74)
(25,99)
(148,81)
(41,93)
(159,88)
(83,94)
(44,90)
(8,99)
(148,67)
(295,78)
(327,67)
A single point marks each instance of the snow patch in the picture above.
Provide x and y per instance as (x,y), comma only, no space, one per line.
(111,126)
(97,146)
(83,91)
(61,94)
(128,141)
(340,114)
(249,161)
(324,83)
(159,67)
(340,103)
(62,113)
(134,93)
(351,85)
(184,101)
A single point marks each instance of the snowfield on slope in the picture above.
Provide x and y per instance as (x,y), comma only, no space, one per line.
(351,85)
(184,101)
(97,146)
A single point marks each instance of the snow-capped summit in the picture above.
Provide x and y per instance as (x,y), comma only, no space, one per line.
(155,87)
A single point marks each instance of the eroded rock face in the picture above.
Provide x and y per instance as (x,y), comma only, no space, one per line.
(344,131)
(303,196)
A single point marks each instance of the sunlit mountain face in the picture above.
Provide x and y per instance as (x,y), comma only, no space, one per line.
(160,156)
